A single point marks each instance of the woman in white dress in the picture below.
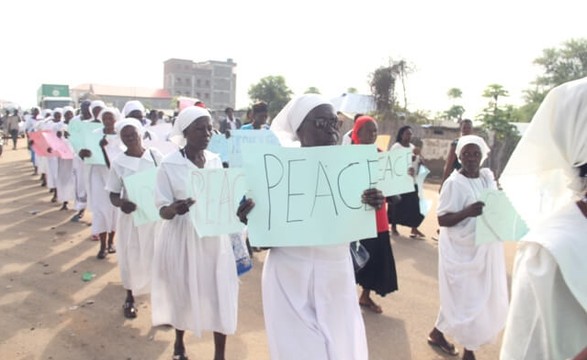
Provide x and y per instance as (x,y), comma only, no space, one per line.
(309,296)
(546,180)
(65,189)
(471,278)
(195,284)
(103,212)
(135,243)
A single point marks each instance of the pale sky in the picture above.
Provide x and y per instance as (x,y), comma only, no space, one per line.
(332,45)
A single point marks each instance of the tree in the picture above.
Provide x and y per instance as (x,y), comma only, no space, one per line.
(497,124)
(382,82)
(351,90)
(456,111)
(454,93)
(312,90)
(566,63)
(273,91)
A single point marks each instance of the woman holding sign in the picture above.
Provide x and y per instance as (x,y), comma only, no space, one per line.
(471,278)
(195,284)
(135,243)
(309,295)
(103,212)
(379,273)
(407,210)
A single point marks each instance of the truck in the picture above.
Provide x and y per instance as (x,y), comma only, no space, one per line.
(51,96)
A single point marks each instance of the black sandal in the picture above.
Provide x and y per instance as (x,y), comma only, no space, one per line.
(129,310)
(179,357)
(101,254)
(111,249)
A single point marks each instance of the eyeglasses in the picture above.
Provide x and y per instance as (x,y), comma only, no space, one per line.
(323,123)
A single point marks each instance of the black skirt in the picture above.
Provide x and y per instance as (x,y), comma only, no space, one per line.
(407,211)
(379,273)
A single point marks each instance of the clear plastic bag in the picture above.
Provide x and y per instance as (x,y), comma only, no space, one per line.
(244,262)
(359,254)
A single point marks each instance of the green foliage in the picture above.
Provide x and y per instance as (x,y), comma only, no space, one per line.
(272,90)
(565,63)
(454,93)
(382,85)
(497,118)
(312,90)
(569,62)
(351,90)
(454,113)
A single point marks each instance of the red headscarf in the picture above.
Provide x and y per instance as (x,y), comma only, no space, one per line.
(381,214)
(361,120)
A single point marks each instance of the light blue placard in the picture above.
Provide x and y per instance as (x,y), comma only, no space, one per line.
(240,137)
(92,142)
(393,172)
(140,189)
(219,145)
(217,193)
(499,220)
(77,133)
(310,196)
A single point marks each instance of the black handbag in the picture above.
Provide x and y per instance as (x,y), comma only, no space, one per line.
(359,254)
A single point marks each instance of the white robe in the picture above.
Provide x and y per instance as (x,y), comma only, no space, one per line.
(310,304)
(472,279)
(195,284)
(104,214)
(548,313)
(135,243)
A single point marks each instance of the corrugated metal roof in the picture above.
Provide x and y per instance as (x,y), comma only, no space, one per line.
(354,103)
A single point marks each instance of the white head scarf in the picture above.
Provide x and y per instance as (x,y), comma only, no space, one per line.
(187,116)
(130,122)
(95,104)
(289,119)
(131,106)
(111,110)
(119,125)
(472,139)
(59,111)
(542,175)
(68,108)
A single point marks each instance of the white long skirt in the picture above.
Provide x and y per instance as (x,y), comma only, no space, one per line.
(195,285)
(135,253)
(51,174)
(79,182)
(65,180)
(310,305)
(104,214)
(473,289)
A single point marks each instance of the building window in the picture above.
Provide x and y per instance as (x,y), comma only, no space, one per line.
(206,96)
(207,83)
(178,80)
(198,95)
(198,83)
